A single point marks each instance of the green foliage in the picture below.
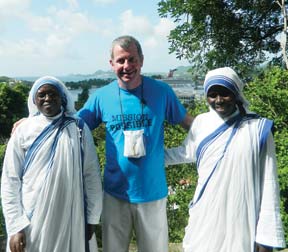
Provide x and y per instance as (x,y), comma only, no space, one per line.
(12,106)
(2,153)
(87,83)
(2,221)
(268,96)
(182,179)
(82,97)
(205,36)
(99,140)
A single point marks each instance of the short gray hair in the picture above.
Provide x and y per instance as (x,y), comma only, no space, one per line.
(125,42)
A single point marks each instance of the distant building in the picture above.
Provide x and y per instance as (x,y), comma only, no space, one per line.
(185,89)
(171,72)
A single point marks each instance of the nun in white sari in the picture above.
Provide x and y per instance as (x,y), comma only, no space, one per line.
(51,186)
(236,202)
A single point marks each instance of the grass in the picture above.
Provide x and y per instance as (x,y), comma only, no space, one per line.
(177,247)
(173,247)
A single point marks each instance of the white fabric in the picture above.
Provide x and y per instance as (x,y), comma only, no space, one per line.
(49,205)
(240,204)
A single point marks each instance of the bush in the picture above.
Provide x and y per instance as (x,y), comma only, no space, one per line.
(2,222)
(268,96)
(182,180)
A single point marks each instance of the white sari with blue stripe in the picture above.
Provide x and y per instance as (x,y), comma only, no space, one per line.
(51,203)
(236,201)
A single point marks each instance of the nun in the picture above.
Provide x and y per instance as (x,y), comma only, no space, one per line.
(236,203)
(51,187)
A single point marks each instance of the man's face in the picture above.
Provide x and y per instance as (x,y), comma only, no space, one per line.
(48,100)
(127,65)
(222,100)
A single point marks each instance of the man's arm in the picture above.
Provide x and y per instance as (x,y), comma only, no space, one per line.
(262,248)
(185,153)
(17,123)
(187,122)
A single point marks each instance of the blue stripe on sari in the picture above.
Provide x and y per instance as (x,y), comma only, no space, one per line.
(207,141)
(236,120)
(66,121)
(59,124)
(222,81)
(265,128)
(36,145)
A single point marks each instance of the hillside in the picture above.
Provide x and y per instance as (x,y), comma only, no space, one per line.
(180,72)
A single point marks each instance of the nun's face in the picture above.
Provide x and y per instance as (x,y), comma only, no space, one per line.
(48,100)
(222,100)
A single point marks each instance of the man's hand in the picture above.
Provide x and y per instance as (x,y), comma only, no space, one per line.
(187,122)
(262,248)
(90,230)
(17,242)
(17,123)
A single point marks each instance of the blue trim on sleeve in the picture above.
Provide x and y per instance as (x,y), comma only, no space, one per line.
(265,127)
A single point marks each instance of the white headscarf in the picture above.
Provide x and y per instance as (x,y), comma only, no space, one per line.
(67,101)
(228,78)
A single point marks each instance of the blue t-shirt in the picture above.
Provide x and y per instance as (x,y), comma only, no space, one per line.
(146,107)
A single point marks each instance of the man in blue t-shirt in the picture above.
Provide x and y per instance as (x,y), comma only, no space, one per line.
(133,109)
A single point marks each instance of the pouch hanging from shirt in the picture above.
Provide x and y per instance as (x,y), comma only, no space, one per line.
(134,143)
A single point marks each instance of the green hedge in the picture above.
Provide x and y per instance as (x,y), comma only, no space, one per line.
(2,222)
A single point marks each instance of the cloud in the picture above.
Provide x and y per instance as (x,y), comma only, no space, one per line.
(164,27)
(49,36)
(66,38)
(104,2)
(20,49)
(39,23)
(153,35)
(13,7)
(135,24)
(141,25)
(74,22)
(73,4)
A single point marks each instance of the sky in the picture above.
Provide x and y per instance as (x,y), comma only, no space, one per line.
(61,37)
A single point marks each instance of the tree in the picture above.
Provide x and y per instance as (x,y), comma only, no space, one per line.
(268,96)
(82,97)
(216,33)
(283,39)
(181,178)
(12,106)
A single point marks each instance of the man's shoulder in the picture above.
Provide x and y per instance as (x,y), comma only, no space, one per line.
(108,86)
(105,89)
(154,81)
(156,84)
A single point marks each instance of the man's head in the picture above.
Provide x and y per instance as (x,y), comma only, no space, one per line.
(127,61)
